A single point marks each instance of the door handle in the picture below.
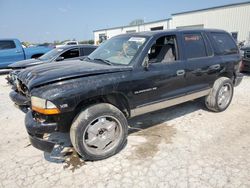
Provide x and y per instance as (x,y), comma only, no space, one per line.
(18,51)
(180,72)
(215,67)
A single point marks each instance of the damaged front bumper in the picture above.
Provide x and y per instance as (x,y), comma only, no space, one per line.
(12,77)
(36,131)
(19,99)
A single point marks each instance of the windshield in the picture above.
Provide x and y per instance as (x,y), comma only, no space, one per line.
(51,54)
(118,50)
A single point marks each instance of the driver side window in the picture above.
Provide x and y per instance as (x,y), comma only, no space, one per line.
(164,50)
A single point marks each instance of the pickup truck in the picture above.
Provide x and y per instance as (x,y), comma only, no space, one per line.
(67,43)
(129,75)
(11,50)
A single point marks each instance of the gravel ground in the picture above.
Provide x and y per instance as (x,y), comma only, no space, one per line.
(182,146)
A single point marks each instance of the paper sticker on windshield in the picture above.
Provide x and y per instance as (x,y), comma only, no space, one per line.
(137,39)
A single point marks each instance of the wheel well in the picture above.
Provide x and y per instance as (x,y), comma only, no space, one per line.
(116,99)
(36,55)
(228,75)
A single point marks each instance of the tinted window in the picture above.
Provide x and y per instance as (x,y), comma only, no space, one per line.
(71,53)
(87,51)
(224,44)
(194,46)
(7,44)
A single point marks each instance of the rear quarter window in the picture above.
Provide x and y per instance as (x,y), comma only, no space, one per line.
(224,44)
(7,44)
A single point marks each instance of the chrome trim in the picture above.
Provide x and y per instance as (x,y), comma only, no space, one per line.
(167,103)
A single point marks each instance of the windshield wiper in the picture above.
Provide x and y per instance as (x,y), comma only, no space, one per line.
(103,61)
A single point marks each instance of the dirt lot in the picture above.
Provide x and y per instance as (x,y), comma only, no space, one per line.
(182,146)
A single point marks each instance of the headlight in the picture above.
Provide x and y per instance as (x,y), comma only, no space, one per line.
(43,106)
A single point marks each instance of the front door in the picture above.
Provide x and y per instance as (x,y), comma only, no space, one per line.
(164,78)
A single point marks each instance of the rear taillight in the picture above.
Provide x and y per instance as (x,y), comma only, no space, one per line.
(241,66)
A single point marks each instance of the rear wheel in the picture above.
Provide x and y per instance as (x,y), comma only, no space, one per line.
(221,95)
(99,131)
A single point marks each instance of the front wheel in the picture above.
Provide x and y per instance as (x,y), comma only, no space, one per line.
(221,95)
(99,132)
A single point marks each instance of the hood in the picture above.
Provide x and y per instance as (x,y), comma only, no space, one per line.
(48,73)
(26,63)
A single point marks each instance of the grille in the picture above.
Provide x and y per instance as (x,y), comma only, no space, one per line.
(21,87)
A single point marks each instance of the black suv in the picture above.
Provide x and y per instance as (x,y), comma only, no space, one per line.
(128,75)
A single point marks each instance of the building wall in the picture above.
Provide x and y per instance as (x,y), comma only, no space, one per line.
(235,18)
(232,19)
(120,30)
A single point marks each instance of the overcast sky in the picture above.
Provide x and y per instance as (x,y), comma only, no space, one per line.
(50,20)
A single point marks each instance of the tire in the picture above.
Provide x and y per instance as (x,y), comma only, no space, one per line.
(99,132)
(214,101)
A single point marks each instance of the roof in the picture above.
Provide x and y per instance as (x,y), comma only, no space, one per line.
(118,27)
(211,8)
(170,31)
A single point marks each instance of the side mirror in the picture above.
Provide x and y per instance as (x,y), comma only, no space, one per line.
(145,63)
(60,58)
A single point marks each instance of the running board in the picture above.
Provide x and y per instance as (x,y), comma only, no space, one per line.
(150,107)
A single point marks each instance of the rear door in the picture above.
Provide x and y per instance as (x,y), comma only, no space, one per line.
(10,52)
(202,67)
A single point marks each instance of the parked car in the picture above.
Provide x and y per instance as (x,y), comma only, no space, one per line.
(67,43)
(128,75)
(55,55)
(245,66)
(11,51)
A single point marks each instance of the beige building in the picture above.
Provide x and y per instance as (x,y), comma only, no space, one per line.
(103,34)
(234,18)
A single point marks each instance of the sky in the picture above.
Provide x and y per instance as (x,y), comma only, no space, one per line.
(41,21)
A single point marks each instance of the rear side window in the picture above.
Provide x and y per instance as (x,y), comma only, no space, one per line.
(7,44)
(224,44)
(71,53)
(194,46)
(87,51)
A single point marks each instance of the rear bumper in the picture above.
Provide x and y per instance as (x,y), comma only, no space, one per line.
(36,130)
(19,99)
(238,79)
